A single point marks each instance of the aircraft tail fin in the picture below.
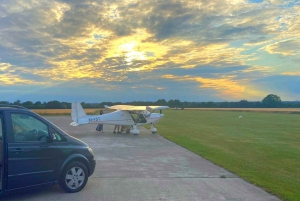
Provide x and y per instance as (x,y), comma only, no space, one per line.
(77,112)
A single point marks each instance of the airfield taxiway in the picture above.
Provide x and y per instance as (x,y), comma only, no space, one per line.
(146,167)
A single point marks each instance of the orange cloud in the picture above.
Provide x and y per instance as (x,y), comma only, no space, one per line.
(11,77)
(225,85)
(294,73)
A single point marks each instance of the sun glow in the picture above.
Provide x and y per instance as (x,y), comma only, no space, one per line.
(136,51)
(130,53)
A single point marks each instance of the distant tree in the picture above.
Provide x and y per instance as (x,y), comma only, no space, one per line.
(210,104)
(27,104)
(65,105)
(171,103)
(53,105)
(4,102)
(174,103)
(161,102)
(271,100)
(38,103)
(18,102)
(177,103)
(243,104)
(224,104)
(202,105)
(257,104)
(186,104)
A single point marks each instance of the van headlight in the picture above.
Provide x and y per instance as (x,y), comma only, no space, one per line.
(91,151)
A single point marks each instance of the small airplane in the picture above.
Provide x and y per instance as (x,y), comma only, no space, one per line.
(126,115)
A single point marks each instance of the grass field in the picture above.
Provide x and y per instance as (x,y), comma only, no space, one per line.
(272,110)
(262,148)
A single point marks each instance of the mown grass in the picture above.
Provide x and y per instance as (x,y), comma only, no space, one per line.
(262,148)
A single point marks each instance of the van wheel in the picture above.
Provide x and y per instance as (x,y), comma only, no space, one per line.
(74,177)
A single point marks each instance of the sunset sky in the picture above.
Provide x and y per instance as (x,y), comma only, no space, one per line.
(145,50)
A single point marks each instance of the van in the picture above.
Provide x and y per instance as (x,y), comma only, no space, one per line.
(36,153)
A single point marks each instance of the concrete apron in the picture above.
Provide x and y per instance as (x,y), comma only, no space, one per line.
(149,167)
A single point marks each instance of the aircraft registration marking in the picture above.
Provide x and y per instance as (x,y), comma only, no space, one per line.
(94,119)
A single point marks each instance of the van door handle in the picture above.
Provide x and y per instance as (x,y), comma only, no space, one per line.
(17,150)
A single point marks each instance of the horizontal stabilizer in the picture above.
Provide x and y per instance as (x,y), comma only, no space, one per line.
(74,124)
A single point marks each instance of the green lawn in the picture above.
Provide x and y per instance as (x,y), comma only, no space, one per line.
(262,148)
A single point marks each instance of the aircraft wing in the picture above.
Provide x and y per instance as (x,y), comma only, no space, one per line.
(158,107)
(136,108)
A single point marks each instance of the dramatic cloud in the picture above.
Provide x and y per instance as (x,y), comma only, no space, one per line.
(290,47)
(223,48)
(11,75)
(225,85)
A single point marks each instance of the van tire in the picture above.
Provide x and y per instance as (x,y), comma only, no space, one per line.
(74,177)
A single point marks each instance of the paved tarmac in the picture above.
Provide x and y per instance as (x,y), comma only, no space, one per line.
(146,167)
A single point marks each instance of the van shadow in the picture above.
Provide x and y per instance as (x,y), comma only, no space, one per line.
(33,194)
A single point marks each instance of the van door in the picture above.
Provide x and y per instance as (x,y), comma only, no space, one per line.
(31,152)
(1,152)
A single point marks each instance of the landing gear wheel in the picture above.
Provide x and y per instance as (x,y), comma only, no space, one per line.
(74,177)
(153,129)
(134,130)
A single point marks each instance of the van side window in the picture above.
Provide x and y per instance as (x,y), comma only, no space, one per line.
(28,128)
(59,137)
(1,134)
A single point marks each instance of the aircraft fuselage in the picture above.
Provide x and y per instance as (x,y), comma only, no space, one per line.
(121,117)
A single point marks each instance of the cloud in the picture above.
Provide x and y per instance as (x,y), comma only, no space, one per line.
(289,47)
(294,73)
(225,85)
(13,75)
(116,44)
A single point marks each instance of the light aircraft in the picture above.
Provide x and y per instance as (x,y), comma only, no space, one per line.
(126,115)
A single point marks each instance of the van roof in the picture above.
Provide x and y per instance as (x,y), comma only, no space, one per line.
(12,106)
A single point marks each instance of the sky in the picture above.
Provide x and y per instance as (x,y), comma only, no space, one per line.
(145,50)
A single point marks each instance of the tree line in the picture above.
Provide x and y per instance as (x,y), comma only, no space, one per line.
(270,101)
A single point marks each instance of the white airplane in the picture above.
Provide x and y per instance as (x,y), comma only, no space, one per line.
(127,115)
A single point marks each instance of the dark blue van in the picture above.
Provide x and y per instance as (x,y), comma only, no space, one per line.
(35,153)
